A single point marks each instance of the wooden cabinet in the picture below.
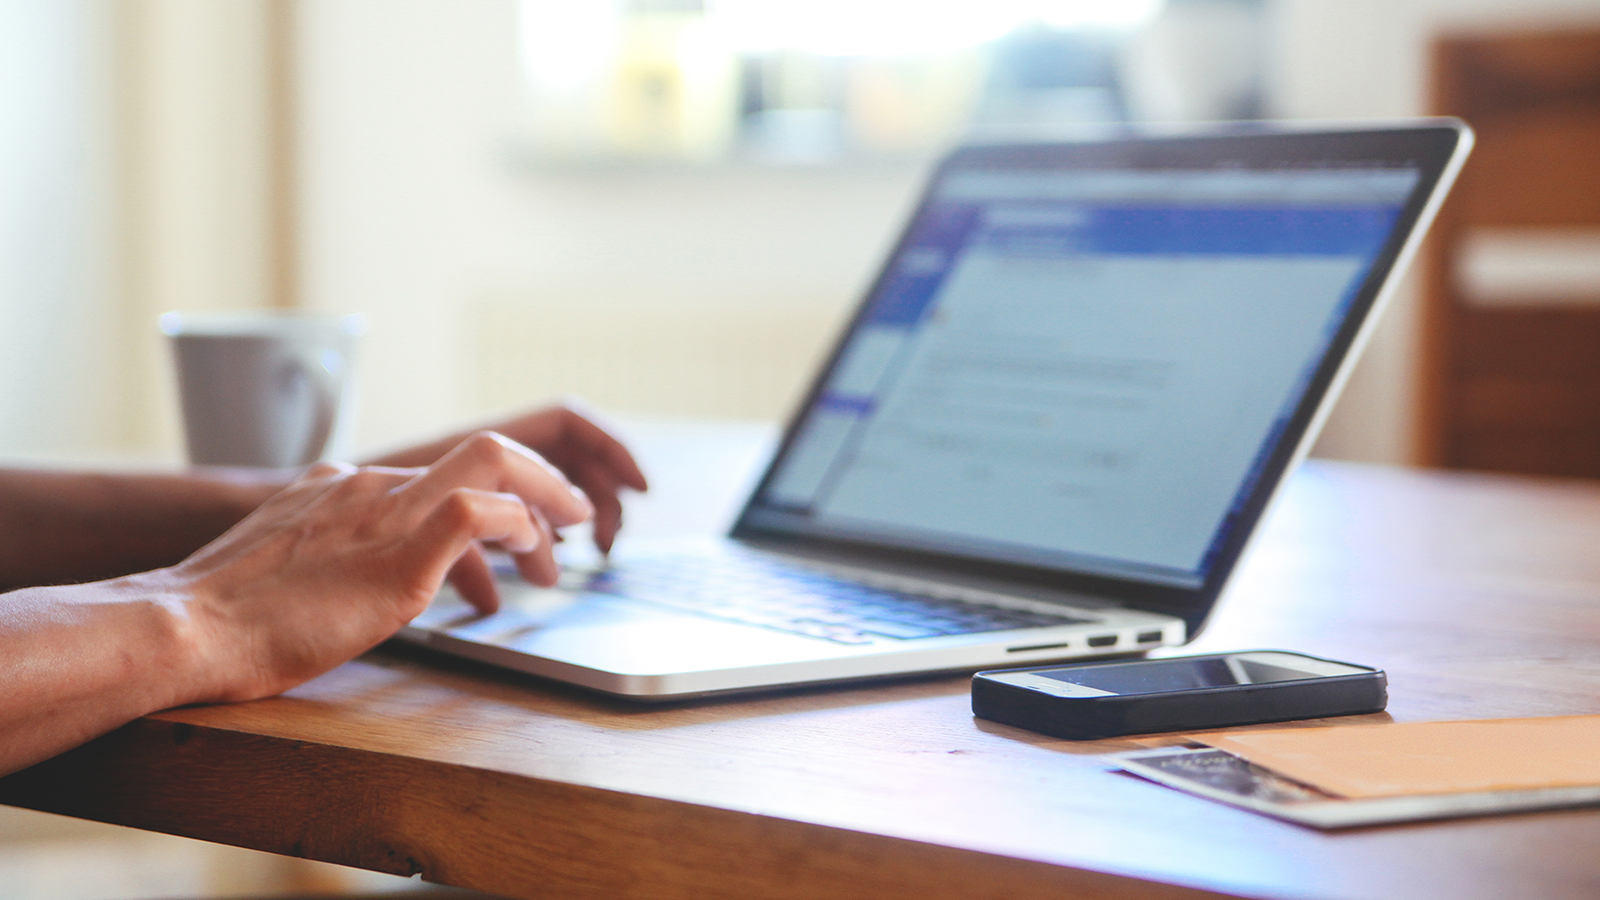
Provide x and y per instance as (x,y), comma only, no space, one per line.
(1511,375)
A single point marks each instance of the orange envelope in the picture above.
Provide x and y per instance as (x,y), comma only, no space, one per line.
(1399,759)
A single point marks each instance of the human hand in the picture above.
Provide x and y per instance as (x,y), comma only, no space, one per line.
(589,456)
(344,557)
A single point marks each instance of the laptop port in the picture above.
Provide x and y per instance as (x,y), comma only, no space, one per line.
(1103,640)
(1149,637)
(1036,647)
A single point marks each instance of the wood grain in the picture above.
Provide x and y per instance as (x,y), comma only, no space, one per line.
(1480,595)
(504,834)
(1514,389)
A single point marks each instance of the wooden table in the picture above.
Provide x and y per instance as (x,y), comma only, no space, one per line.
(1480,596)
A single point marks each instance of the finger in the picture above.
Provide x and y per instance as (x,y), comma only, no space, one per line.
(578,439)
(539,566)
(474,580)
(490,462)
(607,521)
(601,487)
(463,517)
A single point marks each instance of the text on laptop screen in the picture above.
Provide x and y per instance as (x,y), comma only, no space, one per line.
(1083,369)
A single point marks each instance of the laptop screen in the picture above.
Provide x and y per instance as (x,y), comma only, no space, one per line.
(1083,369)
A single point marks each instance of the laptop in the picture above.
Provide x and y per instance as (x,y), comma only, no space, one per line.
(1048,433)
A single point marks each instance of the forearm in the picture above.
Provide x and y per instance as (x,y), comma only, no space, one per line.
(71,527)
(324,569)
(80,660)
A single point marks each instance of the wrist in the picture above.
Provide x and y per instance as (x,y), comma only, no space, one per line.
(77,661)
(179,647)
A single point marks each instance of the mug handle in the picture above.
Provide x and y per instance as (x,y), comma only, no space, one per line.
(327,410)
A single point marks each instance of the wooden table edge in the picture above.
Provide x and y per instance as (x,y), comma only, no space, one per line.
(506,834)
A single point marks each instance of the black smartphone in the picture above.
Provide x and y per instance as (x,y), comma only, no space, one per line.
(1107,699)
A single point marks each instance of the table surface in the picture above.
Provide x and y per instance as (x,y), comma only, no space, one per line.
(1480,595)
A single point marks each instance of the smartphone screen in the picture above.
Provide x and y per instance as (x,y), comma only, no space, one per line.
(1161,675)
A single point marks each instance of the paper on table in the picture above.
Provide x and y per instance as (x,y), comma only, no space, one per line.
(1400,759)
(1219,775)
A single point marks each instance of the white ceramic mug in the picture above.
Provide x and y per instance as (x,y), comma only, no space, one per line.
(261,388)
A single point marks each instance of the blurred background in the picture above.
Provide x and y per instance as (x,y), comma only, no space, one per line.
(666,207)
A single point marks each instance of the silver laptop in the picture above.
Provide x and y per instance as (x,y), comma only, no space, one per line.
(1048,433)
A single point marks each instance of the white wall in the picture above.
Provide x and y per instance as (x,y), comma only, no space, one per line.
(55,341)
(132,181)
(192,206)
(417,211)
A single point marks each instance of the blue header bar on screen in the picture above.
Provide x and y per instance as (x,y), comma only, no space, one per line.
(1272,213)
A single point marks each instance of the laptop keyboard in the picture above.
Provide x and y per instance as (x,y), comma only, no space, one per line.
(770,594)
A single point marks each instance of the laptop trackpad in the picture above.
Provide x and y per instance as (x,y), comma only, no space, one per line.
(602,631)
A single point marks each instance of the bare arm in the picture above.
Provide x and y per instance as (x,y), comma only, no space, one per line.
(66,527)
(322,571)
(300,579)
(70,527)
